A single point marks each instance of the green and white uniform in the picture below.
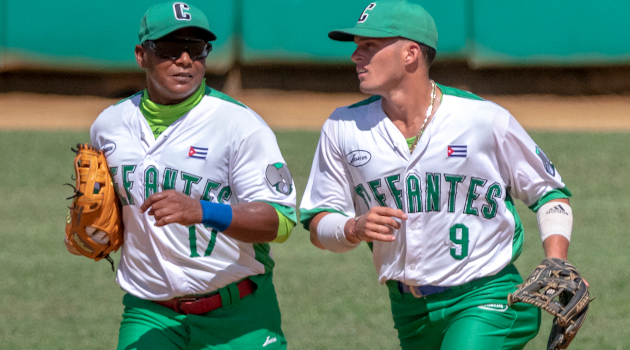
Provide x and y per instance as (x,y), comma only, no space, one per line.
(456,187)
(218,150)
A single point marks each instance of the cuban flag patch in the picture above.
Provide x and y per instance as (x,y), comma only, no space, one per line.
(457,151)
(197,152)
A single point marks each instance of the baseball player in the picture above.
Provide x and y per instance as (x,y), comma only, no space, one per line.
(427,175)
(204,188)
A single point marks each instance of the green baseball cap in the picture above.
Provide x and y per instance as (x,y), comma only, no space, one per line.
(163,19)
(386,19)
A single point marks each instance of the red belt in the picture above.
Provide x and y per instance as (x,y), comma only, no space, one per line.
(197,305)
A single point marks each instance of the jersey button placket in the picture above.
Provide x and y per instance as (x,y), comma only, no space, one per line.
(407,230)
(413,246)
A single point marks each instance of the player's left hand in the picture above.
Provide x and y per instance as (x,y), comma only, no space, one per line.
(556,287)
(170,207)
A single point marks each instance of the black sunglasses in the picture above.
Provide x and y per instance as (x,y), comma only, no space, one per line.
(172,50)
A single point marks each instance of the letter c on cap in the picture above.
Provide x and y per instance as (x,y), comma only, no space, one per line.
(179,8)
(364,14)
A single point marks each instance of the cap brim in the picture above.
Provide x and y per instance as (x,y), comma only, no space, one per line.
(211,36)
(350,33)
(207,35)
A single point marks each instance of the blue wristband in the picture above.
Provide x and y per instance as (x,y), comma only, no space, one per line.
(216,215)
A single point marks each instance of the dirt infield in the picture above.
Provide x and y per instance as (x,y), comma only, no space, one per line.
(304,110)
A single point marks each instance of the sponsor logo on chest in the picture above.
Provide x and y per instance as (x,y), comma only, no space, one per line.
(358,158)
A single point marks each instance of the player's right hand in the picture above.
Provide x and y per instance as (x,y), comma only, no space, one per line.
(378,224)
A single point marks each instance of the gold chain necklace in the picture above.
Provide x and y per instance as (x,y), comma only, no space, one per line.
(426,119)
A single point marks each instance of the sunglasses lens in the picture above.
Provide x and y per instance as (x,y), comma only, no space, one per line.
(198,50)
(174,49)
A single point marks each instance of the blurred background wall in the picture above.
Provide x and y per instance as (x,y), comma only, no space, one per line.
(560,46)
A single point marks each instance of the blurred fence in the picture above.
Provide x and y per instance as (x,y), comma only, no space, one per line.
(73,35)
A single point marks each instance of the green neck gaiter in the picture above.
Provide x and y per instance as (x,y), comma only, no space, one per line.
(410,141)
(161,117)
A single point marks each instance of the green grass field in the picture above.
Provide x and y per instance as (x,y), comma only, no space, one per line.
(50,299)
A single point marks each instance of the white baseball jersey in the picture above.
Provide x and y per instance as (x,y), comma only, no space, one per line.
(456,187)
(220,151)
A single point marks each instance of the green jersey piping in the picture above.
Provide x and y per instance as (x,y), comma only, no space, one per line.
(365,102)
(307,215)
(447,90)
(554,194)
(218,94)
(262,251)
(519,234)
(130,97)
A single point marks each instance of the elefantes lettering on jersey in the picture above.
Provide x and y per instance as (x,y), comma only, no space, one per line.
(277,174)
(479,199)
(172,178)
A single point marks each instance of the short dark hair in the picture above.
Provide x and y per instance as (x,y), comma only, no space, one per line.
(429,53)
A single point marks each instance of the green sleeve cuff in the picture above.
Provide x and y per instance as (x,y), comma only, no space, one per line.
(307,215)
(286,221)
(289,212)
(555,194)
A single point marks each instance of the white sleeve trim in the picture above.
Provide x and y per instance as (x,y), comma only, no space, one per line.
(330,233)
(555,218)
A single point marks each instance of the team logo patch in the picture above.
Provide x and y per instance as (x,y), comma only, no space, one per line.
(108,149)
(546,162)
(457,151)
(358,158)
(279,177)
(197,152)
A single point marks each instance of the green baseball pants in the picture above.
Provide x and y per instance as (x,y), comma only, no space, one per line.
(240,324)
(473,316)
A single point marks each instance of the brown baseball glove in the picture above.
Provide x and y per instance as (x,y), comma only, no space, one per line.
(94,224)
(556,287)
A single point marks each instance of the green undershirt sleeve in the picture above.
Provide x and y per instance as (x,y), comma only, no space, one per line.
(286,221)
(285,226)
